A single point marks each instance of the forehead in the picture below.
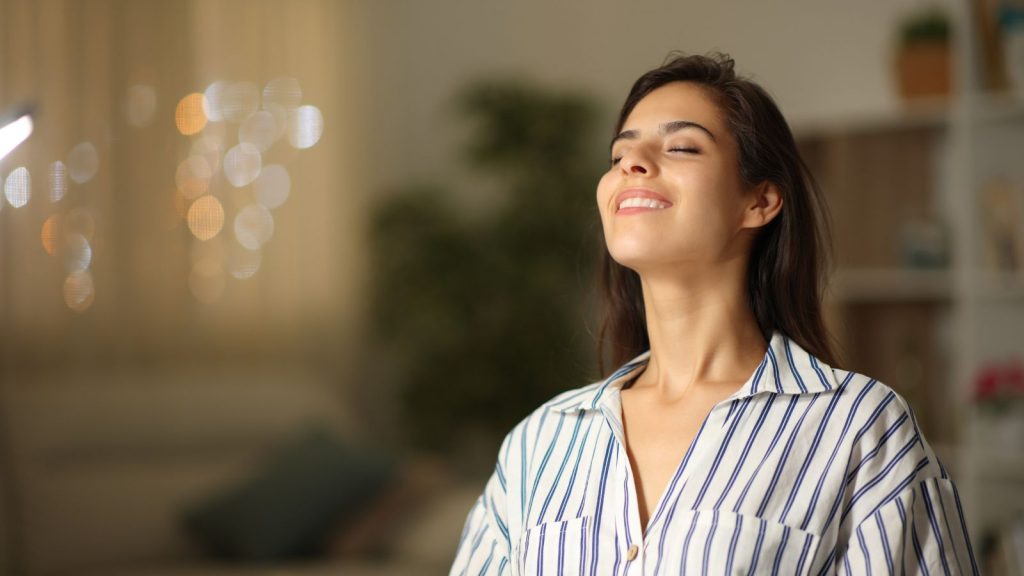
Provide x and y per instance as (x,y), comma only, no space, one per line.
(675,101)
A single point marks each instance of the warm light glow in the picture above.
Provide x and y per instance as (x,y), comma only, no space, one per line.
(212,249)
(79,254)
(80,221)
(83,162)
(193,176)
(243,263)
(14,134)
(190,116)
(273,186)
(50,234)
(254,226)
(18,187)
(261,130)
(205,217)
(210,148)
(305,126)
(207,280)
(58,177)
(78,291)
(212,102)
(140,105)
(242,164)
(284,92)
(239,100)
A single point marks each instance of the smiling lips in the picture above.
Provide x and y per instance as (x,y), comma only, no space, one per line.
(637,200)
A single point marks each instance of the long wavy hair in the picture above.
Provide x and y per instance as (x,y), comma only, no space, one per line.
(790,256)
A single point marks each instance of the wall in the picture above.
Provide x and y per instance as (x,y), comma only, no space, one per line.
(819,59)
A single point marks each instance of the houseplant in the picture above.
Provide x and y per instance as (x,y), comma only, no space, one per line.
(924,54)
(484,318)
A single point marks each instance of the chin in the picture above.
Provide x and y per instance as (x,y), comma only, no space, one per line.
(635,256)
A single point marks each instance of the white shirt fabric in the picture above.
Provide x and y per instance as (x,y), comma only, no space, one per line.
(805,469)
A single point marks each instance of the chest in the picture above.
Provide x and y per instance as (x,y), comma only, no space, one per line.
(657,439)
(723,507)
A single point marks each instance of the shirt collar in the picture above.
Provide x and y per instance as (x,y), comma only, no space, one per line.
(786,369)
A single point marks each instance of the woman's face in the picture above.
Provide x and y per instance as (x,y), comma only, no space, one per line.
(673,194)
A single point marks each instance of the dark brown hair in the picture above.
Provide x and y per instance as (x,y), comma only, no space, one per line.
(790,255)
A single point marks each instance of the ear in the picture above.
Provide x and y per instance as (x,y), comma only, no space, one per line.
(764,205)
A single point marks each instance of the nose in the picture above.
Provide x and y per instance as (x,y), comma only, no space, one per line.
(636,162)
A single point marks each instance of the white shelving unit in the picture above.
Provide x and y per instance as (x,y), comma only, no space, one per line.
(987,139)
(977,311)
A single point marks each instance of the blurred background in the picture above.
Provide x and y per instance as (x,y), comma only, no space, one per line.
(277,277)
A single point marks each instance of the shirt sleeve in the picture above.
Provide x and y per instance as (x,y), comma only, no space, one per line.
(920,531)
(484,547)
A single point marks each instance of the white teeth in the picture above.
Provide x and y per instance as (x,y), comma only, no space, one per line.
(637,202)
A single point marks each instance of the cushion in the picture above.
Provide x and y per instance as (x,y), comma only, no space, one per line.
(290,506)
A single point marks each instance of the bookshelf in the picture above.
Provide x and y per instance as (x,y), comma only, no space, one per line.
(924,296)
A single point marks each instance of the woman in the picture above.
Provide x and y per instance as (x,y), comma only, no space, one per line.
(727,441)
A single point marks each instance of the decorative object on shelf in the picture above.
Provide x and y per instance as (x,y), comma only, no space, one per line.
(923,243)
(1002,219)
(1011,27)
(998,391)
(924,55)
(990,44)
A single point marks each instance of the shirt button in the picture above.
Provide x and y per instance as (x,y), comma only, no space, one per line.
(632,552)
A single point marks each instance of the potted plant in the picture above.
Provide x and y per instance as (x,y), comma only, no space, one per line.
(924,55)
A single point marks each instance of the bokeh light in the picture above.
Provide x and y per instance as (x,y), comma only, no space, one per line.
(140,105)
(243,263)
(78,291)
(210,148)
(18,187)
(83,162)
(254,226)
(238,100)
(242,164)
(212,249)
(205,217)
(273,186)
(305,126)
(79,253)
(50,234)
(212,102)
(80,221)
(206,281)
(193,176)
(190,116)
(58,180)
(261,129)
(284,92)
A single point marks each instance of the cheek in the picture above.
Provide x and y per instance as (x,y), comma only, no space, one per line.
(604,193)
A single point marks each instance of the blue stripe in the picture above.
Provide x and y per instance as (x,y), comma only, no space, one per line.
(843,456)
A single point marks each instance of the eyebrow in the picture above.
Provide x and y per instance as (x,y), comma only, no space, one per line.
(664,129)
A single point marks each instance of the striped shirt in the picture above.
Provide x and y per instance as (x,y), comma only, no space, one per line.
(806,469)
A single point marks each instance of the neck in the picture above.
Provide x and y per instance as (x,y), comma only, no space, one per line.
(702,332)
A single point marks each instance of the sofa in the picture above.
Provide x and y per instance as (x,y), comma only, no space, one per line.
(105,468)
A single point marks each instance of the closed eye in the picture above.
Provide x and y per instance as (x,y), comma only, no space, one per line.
(615,160)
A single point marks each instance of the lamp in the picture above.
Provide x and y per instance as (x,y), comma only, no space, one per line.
(15,127)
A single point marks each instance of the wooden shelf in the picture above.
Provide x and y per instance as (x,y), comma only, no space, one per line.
(923,113)
(1001,286)
(998,107)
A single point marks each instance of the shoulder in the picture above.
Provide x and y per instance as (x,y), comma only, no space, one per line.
(548,422)
(888,452)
